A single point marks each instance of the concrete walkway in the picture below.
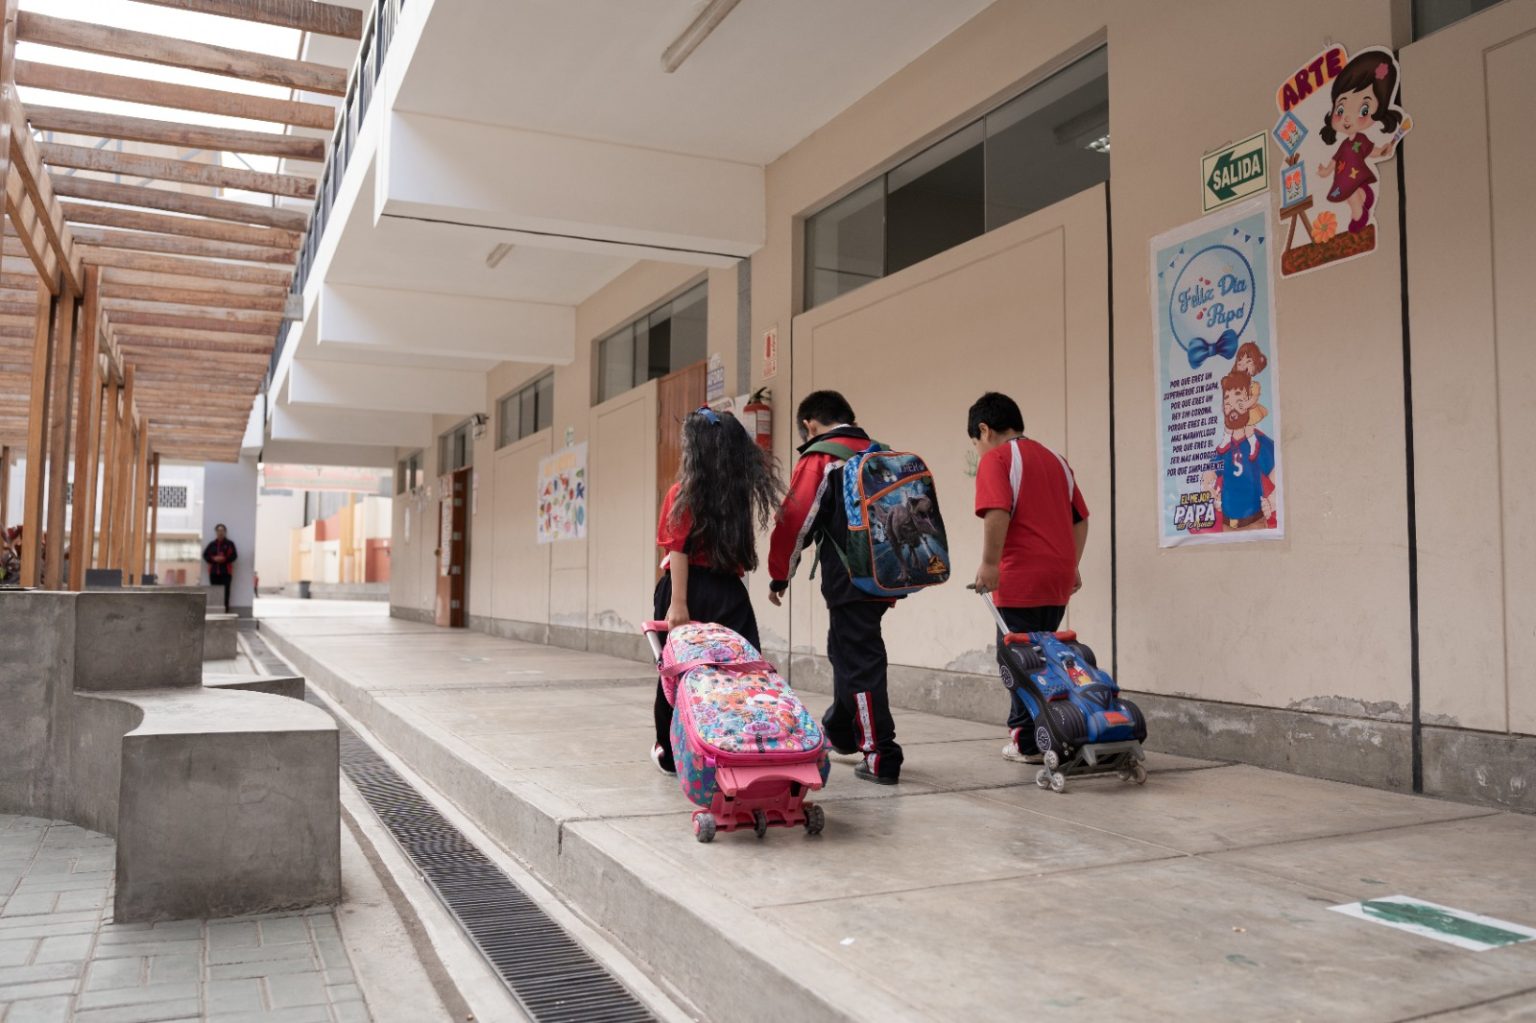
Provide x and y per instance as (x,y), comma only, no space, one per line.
(963,894)
(62,960)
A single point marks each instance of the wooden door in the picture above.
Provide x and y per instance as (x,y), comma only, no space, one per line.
(676,395)
(452,548)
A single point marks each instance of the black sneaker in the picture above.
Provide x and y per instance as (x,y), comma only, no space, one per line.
(863,773)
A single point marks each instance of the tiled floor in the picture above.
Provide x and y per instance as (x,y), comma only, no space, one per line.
(61,958)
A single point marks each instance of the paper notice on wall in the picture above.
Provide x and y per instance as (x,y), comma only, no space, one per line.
(770,353)
(714,379)
(562,495)
(1218,400)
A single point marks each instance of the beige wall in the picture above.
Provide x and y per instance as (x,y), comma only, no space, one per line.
(1319,621)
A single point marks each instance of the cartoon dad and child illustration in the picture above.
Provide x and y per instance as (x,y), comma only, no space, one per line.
(1243,480)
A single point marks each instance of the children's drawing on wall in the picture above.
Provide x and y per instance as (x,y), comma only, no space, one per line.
(1218,401)
(1339,119)
(562,495)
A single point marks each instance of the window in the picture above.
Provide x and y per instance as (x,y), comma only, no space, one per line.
(173,497)
(408,475)
(1433,15)
(1035,150)
(526,411)
(664,341)
(456,448)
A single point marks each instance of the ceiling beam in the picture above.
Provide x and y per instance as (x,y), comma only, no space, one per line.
(174,133)
(141,242)
(25,158)
(148,322)
(191,227)
(131,277)
(79,82)
(247,318)
(209,303)
(189,172)
(184,266)
(212,339)
(219,60)
(29,230)
(305,15)
(180,202)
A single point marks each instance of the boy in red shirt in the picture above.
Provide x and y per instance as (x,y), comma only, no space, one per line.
(1035,528)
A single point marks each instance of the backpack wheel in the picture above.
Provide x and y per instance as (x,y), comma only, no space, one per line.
(759,823)
(1058,782)
(1139,774)
(1043,778)
(704,827)
(1052,761)
(1084,652)
(815,819)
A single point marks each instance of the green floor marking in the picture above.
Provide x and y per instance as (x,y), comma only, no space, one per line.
(1439,920)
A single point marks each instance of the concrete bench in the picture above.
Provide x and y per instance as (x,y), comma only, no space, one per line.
(223,802)
(219,642)
(290,686)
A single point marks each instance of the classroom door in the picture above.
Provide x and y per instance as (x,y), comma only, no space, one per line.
(1471,231)
(677,394)
(452,554)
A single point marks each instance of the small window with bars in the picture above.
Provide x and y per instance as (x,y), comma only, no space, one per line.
(526,411)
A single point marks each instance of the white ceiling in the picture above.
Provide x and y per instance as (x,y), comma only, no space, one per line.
(773,71)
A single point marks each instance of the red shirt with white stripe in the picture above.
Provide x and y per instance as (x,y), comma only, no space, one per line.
(1036,484)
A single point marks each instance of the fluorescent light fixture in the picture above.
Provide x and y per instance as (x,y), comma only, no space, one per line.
(497,254)
(1099,145)
(1088,129)
(708,20)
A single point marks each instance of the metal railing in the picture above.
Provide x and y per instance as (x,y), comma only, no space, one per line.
(378,32)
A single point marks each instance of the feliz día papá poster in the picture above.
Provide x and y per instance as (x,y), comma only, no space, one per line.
(562,495)
(1218,392)
(1339,119)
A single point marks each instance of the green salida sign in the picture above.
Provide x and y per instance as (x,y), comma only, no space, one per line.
(1234,173)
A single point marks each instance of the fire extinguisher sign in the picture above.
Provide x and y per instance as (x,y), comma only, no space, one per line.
(770,353)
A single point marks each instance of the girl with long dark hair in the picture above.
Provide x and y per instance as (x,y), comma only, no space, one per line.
(726,492)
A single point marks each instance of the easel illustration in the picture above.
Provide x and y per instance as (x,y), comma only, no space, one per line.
(1296,211)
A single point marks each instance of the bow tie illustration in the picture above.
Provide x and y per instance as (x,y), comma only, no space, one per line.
(1199,349)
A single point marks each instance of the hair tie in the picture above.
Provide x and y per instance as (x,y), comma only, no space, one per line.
(1382,69)
(709,414)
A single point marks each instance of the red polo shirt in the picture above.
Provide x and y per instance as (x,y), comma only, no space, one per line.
(1039,563)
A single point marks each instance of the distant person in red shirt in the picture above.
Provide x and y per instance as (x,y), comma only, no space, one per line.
(1035,528)
(726,492)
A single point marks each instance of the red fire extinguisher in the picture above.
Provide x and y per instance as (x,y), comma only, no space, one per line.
(758,416)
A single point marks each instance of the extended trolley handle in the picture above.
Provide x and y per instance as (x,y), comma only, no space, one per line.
(997,616)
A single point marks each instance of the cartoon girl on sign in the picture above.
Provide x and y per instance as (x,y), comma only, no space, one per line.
(1362,99)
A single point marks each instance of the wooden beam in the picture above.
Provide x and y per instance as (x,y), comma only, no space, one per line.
(29,229)
(110,417)
(8,14)
(186,226)
(180,202)
(213,175)
(254,332)
(175,133)
(179,265)
(154,513)
(305,15)
(252,319)
(79,82)
(218,60)
(81,533)
(37,444)
(140,509)
(212,338)
(26,159)
(152,282)
(124,475)
(5,483)
(60,429)
(138,241)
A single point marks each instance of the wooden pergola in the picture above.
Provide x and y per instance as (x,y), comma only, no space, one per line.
(138,321)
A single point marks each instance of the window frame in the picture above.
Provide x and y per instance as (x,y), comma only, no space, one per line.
(639,330)
(543,418)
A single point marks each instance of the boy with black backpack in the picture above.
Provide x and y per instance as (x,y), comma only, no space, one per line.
(899,547)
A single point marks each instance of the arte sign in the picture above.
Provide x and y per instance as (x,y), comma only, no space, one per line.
(1339,118)
(562,495)
(1218,406)
(1233,173)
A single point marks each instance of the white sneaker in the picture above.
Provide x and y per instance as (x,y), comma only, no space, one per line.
(656,754)
(1011,752)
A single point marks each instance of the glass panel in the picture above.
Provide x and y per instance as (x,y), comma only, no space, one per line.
(546,402)
(506,420)
(1050,143)
(656,329)
(845,244)
(528,415)
(690,328)
(936,200)
(1433,15)
(616,356)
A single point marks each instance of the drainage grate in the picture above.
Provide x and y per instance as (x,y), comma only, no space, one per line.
(551,976)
